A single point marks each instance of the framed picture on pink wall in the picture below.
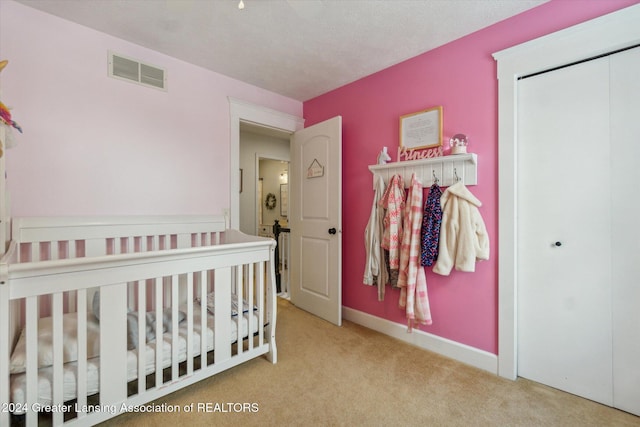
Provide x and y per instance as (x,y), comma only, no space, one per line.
(422,129)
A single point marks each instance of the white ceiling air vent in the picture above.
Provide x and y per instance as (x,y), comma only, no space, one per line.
(121,67)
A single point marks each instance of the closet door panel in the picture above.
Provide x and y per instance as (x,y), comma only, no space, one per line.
(625,254)
(564,296)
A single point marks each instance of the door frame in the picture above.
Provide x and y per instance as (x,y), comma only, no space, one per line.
(611,32)
(242,111)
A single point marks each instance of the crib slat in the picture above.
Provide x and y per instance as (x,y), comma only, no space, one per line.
(19,255)
(190,323)
(54,252)
(35,251)
(260,302)
(57,356)
(159,338)
(251,319)
(113,350)
(142,327)
(204,335)
(222,289)
(239,318)
(32,356)
(184,241)
(94,247)
(270,298)
(174,327)
(81,377)
(126,245)
(131,300)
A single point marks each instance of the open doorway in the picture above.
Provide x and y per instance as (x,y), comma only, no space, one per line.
(264,159)
(264,193)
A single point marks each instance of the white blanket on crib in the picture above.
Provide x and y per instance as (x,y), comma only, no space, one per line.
(45,374)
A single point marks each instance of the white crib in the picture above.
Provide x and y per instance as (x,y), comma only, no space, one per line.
(72,356)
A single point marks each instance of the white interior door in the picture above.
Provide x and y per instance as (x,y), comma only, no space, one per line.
(625,231)
(316,219)
(578,233)
(564,302)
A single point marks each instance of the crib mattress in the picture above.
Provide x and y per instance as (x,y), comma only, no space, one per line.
(45,375)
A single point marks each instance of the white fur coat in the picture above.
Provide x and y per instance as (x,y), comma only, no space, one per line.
(463,235)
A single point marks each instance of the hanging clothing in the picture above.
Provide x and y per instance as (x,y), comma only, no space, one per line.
(393,201)
(412,279)
(463,235)
(431,220)
(393,274)
(375,270)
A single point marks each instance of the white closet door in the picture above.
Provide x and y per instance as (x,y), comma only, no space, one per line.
(564,289)
(625,251)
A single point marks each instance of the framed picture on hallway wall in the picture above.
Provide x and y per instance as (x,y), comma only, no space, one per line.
(422,129)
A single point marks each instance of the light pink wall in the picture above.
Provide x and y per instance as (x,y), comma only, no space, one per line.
(461,77)
(93,145)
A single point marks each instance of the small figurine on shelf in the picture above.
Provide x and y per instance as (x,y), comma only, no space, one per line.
(384,157)
(458,143)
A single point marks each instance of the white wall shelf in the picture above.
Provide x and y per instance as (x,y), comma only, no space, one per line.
(445,168)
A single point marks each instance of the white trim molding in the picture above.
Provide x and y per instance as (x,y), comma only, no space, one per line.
(242,111)
(608,33)
(454,350)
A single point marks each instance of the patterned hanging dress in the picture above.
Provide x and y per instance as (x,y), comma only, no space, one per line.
(431,221)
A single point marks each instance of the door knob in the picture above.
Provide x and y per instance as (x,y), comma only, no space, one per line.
(557,244)
(332,231)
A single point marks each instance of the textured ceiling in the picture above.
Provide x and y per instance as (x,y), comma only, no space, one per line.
(297,48)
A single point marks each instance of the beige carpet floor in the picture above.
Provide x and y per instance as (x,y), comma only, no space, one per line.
(353,376)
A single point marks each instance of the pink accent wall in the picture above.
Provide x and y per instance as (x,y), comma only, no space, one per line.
(93,145)
(461,77)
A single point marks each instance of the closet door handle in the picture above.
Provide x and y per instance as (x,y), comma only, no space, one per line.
(332,231)
(557,244)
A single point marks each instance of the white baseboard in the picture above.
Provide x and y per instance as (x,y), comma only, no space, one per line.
(462,353)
